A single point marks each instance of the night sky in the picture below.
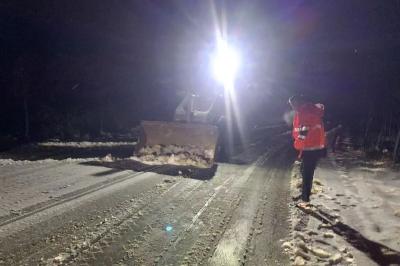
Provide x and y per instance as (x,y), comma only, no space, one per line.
(80,66)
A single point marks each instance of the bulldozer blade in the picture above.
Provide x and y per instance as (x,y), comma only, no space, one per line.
(202,136)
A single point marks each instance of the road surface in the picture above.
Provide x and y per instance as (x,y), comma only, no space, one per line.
(84,212)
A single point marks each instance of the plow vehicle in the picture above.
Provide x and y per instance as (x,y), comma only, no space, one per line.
(194,136)
(190,140)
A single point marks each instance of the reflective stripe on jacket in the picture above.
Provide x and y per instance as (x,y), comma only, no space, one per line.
(308,129)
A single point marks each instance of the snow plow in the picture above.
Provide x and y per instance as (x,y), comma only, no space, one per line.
(191,139)
(177,143)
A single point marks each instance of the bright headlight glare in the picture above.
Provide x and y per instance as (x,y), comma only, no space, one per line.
(225,64)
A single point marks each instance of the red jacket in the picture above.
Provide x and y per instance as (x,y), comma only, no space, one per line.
(308,128)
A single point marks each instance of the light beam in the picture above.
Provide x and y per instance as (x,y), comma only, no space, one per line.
(225,64)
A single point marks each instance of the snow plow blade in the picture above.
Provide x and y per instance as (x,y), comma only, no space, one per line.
(184,144)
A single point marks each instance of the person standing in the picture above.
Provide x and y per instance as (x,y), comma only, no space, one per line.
(309,140)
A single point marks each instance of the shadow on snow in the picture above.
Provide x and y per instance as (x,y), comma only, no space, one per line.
(171,170)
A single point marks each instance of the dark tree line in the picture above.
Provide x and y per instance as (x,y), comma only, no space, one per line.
(381,126)
(78,71)
(77,97)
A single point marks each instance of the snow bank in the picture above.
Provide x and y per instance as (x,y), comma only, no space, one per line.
(83,144)
(6,162)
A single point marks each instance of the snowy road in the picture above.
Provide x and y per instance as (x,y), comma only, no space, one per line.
(104,213)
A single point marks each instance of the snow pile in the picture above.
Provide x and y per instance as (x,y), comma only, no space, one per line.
(304,251)
(107,158)
(175,155)
(5,162)
(11,162)
(83,144)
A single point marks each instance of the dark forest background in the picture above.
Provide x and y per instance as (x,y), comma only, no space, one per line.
(83,69)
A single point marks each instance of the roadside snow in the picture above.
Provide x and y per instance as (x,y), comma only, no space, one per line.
(370,196)
(83,144)
(313,242)
(5,162)
(64,152)
(360,199)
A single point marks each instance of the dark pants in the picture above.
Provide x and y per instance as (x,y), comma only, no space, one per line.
(308,164)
